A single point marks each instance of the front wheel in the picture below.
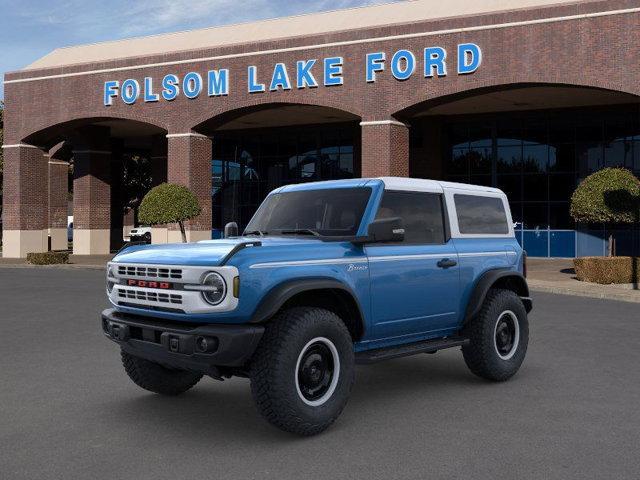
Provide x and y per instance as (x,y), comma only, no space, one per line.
(498,337)
(303,370)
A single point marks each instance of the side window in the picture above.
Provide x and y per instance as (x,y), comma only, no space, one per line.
(421,214)
(481,215)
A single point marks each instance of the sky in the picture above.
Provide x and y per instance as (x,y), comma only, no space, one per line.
(29,29)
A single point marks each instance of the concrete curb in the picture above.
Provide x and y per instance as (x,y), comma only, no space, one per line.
(603,292)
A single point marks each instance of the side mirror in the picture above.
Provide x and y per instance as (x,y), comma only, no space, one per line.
(385,230)
(231,230)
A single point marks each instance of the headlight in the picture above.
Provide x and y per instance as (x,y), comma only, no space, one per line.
(215,288)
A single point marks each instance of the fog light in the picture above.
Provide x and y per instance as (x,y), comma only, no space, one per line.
(206,344)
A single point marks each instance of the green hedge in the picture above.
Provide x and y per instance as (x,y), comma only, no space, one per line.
(607,270)
(48,258)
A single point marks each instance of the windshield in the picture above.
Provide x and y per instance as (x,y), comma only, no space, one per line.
(334,212)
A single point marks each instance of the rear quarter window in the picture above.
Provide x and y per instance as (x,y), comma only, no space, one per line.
(481,215)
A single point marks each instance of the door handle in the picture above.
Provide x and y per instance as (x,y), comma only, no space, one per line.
(447,263)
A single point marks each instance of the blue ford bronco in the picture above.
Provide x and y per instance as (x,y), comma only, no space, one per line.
(326,275)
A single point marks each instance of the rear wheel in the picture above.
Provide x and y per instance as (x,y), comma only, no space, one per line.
(156,378)
(498,336)
(303,370)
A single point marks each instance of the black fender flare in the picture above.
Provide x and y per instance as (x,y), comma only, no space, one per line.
(511,279)
(281,293)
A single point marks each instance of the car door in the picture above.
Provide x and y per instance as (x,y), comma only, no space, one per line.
(415,284)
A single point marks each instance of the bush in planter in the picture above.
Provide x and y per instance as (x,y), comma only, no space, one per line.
(611,195)
(607,270)
(48,258)
(169,203)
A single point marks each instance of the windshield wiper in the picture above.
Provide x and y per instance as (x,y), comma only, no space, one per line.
(255,232)
(300,231)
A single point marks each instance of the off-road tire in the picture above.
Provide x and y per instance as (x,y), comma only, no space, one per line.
(156,378)
(274,376)
(481,354)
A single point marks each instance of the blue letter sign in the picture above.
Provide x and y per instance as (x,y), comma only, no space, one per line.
(403,64)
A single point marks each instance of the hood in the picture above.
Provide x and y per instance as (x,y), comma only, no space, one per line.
(205,253)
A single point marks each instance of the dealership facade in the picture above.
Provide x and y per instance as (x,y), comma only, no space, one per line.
(530,99)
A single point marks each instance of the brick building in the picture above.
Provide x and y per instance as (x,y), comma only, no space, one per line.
(528,95)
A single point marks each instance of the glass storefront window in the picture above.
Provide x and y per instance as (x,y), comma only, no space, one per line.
(250,163)
(537,158)
(509,159)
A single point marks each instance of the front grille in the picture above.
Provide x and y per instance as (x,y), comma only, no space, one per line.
(149,272)
(159,297)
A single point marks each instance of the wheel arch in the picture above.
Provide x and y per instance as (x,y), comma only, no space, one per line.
(321,292)
(498,278)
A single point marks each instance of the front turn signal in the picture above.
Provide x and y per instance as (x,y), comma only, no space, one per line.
(236,287)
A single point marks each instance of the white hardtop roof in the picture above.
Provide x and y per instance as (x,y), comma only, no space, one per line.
(286,27)
(394,183)
(419,184)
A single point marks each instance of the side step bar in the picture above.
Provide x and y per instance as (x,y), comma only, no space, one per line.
(427,346)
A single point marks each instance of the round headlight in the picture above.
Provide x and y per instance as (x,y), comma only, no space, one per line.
(216,288)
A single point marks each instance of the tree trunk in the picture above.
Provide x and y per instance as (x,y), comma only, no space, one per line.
(610,253)
(184,235)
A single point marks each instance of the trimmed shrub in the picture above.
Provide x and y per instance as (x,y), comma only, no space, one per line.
(607,270)
(169,203)
(48,258)
(611,195)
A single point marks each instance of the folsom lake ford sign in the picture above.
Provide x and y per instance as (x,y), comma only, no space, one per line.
(309,73)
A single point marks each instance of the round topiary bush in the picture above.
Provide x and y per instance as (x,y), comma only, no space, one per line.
(611,195)
(169,203)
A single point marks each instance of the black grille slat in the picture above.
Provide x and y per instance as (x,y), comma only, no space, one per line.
(149,296)
(149,272)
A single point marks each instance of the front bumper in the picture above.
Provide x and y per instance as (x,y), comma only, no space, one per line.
(180,345)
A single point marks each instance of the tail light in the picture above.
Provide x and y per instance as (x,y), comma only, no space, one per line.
(524,264)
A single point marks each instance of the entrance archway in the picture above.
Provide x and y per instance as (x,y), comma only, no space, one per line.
(113,163)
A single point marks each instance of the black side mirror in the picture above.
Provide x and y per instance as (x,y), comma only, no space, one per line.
(231,230)
(385,230)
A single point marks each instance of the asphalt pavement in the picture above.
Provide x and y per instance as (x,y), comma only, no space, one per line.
(68,410)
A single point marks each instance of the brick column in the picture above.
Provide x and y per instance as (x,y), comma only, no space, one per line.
(58,191)
(189,164)
(385,148)
(25,210)
(159,233)
(92,192)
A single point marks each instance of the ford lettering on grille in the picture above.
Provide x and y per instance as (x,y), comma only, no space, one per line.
(149,284)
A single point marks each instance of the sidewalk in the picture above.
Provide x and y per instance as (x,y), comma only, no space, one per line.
(92,262)
(556,275)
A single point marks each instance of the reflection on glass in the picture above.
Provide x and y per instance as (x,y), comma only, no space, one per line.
(249,164)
